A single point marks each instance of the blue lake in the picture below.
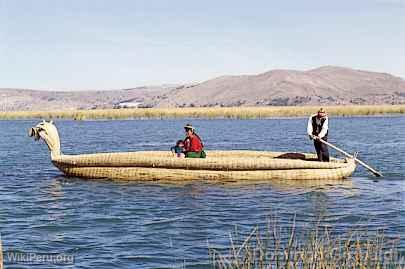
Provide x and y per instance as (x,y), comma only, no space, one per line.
(147,225)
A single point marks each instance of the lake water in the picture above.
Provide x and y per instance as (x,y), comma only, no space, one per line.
(146,225)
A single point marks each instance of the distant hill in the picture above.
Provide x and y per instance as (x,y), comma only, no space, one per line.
(23,99)
(328,85)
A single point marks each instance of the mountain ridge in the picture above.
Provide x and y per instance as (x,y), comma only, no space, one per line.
(325,85)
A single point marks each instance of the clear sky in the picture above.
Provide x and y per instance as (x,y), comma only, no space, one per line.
(84,44)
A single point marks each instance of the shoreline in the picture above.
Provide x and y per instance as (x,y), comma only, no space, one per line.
(237,113)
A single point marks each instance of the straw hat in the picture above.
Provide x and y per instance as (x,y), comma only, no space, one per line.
(189,127)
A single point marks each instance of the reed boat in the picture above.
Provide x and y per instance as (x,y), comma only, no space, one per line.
(218,166)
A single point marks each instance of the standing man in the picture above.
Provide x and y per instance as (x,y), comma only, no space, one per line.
(318,128)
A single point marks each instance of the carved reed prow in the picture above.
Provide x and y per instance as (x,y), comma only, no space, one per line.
(48,132)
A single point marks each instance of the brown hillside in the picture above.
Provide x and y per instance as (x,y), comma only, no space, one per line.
(328,85)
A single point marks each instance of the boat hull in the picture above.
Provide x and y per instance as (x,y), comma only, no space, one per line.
(154,174)
(238,165)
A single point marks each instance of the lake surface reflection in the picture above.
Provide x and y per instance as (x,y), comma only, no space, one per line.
(136,225)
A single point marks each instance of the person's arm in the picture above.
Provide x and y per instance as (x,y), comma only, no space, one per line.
(173,150)
(324,129)
(199,139)
(186,145)
(309,127)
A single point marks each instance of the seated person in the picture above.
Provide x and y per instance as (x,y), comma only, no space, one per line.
(178,150)
(193,146)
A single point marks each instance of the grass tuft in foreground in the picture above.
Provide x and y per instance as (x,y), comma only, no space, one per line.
(318,248)
(205,112)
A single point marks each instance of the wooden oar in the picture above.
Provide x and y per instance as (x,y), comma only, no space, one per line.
(375,172)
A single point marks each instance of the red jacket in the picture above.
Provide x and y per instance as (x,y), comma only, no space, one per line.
(193,144)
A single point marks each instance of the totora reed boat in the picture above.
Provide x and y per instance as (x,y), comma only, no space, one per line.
(219,165)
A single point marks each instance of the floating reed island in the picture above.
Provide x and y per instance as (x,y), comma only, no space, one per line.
(218,166)
(206,112)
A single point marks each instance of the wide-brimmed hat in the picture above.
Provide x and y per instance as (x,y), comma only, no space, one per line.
(189,127)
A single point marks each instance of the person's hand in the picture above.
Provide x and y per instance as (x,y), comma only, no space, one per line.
(311,136)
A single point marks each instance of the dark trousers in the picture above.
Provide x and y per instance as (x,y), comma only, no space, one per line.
(322,150)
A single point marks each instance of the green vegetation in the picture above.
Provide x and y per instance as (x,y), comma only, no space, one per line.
(318,248)
(204,112)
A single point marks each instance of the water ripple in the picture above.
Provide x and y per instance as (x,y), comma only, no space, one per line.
(147,225)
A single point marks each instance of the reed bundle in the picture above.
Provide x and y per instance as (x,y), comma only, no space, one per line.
(219,165)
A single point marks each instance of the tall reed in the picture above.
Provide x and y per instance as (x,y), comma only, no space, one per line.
(317,248)
(204,112)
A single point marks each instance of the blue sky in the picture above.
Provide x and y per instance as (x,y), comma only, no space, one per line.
(84,44)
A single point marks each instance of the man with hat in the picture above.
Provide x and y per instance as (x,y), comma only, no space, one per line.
(318,128)
(193,146)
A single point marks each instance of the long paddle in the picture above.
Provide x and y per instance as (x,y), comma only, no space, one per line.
(375,172)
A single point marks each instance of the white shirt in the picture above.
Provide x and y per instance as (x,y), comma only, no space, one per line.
(318,121)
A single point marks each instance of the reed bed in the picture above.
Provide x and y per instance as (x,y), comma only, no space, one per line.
(205,112)
(319,248)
